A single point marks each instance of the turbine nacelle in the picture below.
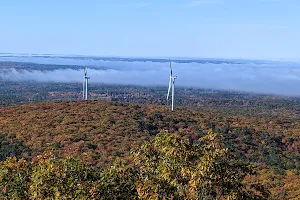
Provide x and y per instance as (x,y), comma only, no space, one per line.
(85,74)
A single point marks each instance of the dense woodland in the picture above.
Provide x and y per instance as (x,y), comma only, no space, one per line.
(100,132)
(166,167)
(16,93)
(123,133)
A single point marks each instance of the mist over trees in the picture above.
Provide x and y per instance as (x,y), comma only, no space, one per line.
(269,77)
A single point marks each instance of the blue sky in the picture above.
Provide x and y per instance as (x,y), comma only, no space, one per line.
(258,29)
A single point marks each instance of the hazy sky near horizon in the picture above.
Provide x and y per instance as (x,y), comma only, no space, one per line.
(258,29)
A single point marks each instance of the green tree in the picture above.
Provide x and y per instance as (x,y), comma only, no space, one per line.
(11,147)
(54,178)
(116,182)
(14,179)
(170,168)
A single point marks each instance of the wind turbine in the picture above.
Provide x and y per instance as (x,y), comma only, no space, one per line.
(85,85)
(171,85)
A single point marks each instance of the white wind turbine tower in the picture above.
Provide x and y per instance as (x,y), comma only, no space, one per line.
(85,85)
(171,86)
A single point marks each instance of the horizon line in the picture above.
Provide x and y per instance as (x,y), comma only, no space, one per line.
(149,57)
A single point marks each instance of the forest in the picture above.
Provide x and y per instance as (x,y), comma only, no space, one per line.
(123,133)
(166,167)
(263,142)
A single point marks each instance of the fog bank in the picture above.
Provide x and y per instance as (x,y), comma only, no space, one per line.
(272,78)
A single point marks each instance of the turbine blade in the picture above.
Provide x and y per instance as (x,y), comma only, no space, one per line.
(170,67)
(170,82)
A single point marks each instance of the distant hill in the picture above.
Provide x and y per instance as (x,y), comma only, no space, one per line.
(12,57)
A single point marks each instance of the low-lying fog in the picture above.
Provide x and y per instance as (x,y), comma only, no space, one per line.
(251,76)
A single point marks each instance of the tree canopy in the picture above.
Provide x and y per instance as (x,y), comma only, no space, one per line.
(166,167)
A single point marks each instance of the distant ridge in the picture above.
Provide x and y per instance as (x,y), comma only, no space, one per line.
(147,59)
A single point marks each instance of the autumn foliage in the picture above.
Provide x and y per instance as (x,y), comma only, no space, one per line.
(167,167)
(100,133)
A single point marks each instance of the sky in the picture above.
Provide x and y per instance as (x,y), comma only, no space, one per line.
(251,29)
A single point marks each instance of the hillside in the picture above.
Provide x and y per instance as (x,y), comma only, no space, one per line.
(101,131)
